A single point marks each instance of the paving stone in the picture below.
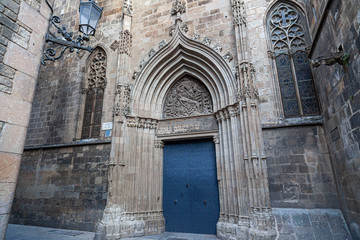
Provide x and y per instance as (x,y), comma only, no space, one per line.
(19,232)
(301,220)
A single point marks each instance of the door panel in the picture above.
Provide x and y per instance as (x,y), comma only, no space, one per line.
(191,198)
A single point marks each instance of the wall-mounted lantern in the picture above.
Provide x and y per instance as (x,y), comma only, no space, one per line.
(90,14)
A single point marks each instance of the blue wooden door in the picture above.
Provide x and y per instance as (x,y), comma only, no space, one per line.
(191,196)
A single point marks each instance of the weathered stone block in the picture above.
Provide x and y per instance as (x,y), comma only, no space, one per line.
(31,18)
(13,138)
(9,167)
(25,63)
(11,4)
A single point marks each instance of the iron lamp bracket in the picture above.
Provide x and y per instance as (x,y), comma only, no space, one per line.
(64,39)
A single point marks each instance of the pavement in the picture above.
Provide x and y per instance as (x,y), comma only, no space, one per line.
(21,232)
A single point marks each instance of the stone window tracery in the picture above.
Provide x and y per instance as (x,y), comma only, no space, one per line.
(187,97)
(96,81)
(289,37)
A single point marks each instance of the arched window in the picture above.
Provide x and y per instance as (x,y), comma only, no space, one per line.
(289,39)
(96,81)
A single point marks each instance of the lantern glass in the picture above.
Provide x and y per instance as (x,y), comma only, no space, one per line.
(90,14)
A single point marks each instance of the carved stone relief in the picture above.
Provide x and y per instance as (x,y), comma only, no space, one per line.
(239,12)
(97,70)
(122,105)
(125,42)
(188,97)
(286,29)
(128,8)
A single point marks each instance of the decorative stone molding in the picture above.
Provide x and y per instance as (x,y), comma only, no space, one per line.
(162,44)
(196,37)
(139,122)
(227,112)
(159,144)
(207,41)
(125,46)
(228,56)
(123,92)
(246,88)
(185,28)
(172,30)
(142,63)
(286,29)
(238,12)
(151,53)
(97,70)
(178,7)
(135,75)
(188,97)
(218,47)
(128,8)
(115,45)
(216,139)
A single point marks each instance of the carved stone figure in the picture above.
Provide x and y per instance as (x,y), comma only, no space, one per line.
(178,7)
(188,97)
(172,30)
(331,59)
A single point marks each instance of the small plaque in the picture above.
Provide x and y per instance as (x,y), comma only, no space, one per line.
(108,133)
(107,126)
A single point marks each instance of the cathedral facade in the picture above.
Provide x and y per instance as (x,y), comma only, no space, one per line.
(224,117)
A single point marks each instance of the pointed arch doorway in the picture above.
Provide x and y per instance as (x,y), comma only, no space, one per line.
(190,188)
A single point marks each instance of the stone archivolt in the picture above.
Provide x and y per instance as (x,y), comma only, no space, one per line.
(187,98)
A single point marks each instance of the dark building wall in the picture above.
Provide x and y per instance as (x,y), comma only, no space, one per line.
(300,174)
(339,95)
(62,187)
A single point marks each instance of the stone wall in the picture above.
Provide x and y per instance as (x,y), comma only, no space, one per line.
(311,224)
(22,28)
(300,174)
(56,116)
(334,27)
(62,187)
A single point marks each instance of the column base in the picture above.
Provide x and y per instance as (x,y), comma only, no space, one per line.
(260,226)
(117,224)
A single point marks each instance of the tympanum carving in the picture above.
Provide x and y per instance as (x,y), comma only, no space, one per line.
(188,97)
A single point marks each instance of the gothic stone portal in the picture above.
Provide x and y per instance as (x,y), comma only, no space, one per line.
(191,195)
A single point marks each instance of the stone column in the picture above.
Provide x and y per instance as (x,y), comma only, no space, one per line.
(262,222)
(21,40)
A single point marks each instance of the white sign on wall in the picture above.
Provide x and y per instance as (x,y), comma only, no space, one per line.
(107,126)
